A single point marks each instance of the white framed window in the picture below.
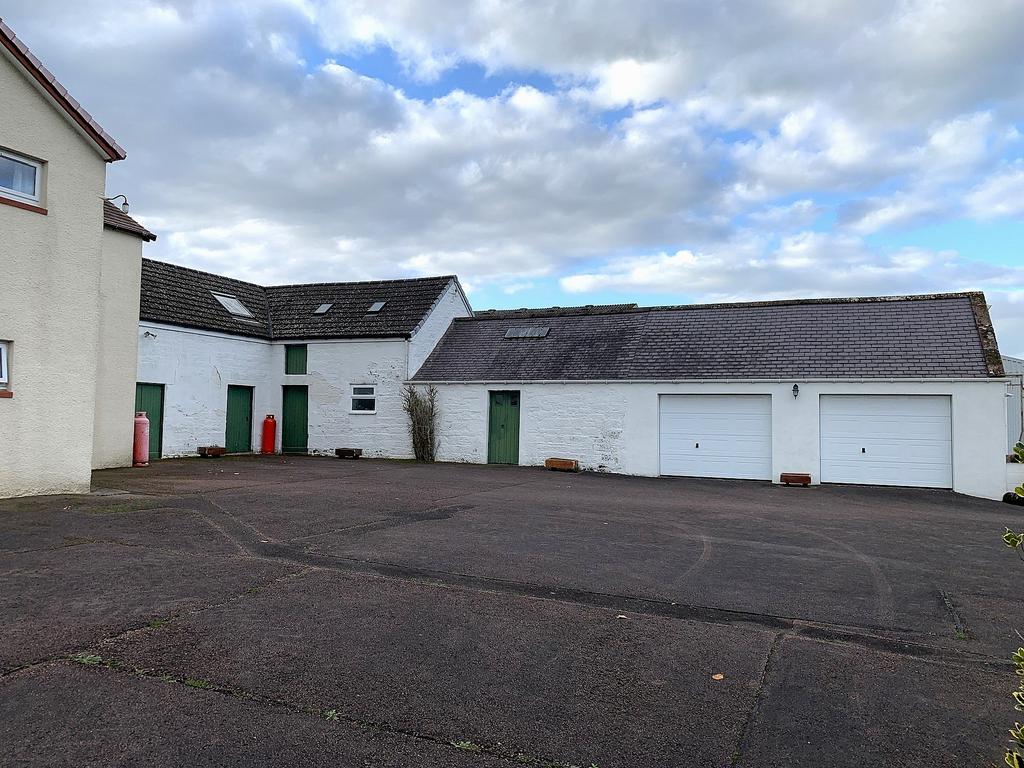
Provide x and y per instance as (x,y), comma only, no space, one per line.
(233,305)
(20,177)
(5,374)
(364,398)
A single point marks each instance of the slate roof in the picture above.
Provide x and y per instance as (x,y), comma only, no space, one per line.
(940,336)
(183,296)
(115,218)
(46,82)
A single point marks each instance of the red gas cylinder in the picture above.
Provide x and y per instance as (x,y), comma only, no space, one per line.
(140,448)
(269,440)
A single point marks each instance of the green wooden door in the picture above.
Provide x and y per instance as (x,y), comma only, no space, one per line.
(503,429)
(238,432)
(150,398)
(295,420)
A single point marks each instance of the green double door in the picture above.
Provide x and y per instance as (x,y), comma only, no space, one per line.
(295,419)
(503,428)
(150,398)
(238,431)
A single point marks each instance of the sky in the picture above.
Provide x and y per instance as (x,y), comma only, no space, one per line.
(565,152)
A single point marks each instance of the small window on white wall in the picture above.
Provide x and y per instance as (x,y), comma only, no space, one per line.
(5,376)
(19,177)
(364,398)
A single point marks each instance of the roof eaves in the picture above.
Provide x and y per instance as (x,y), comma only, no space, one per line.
(115,219)
(51,87)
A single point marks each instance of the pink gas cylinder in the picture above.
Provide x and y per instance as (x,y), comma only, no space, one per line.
(140,449)
(269,434)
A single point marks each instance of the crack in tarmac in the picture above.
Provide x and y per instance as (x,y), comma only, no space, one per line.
(863,635)
(758,699)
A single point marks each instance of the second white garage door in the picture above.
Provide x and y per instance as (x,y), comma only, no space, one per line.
(717,436)
(886,440)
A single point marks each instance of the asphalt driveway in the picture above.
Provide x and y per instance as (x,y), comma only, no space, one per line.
(272,612)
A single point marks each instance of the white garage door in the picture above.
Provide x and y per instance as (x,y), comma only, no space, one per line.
(886,440)
(717,436)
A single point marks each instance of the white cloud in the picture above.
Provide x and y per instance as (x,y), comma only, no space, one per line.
(803,264)
(705,137)
(1002,194)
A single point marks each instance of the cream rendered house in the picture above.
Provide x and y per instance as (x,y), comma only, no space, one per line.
(69,289)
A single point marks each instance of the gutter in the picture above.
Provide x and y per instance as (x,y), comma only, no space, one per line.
(789,380)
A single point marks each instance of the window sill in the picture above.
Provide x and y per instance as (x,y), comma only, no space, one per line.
(363,413)
(6,394)
(23,206)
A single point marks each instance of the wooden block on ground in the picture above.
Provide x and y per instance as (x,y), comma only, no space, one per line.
(562,465)
(211,451)
(795,478)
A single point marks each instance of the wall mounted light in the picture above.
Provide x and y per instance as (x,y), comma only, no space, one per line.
(796,390)
(149,335)
(124,205)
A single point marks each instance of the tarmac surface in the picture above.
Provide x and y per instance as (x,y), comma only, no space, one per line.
(301,611)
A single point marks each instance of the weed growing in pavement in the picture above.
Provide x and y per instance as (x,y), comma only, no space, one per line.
(90,659)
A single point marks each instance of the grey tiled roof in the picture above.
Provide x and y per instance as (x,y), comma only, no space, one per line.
(942,336)
(114,218)
(406,303)
(182,296)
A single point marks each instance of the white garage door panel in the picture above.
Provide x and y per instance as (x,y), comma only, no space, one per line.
(886,440)
(716,436)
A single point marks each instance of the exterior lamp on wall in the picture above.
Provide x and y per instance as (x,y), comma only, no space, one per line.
(796,390)
(124,205)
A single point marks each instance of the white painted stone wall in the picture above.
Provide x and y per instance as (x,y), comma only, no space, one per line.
(120,279)
(614,426)
(334,367)
(452,304)
(196,367)
(49,309)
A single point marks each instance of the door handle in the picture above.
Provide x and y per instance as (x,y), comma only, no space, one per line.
(697,445)
(863,451)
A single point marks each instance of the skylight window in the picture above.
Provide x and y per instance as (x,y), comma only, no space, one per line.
(527,332)
(232,305)
(323,309)
(376,307)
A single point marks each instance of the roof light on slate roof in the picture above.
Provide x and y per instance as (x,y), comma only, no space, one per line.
(376,307)
(527,332)
(232,305)
(323,309)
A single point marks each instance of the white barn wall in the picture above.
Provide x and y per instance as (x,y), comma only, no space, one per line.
(452,304)
(196,367)
(334,366)
(614,426)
